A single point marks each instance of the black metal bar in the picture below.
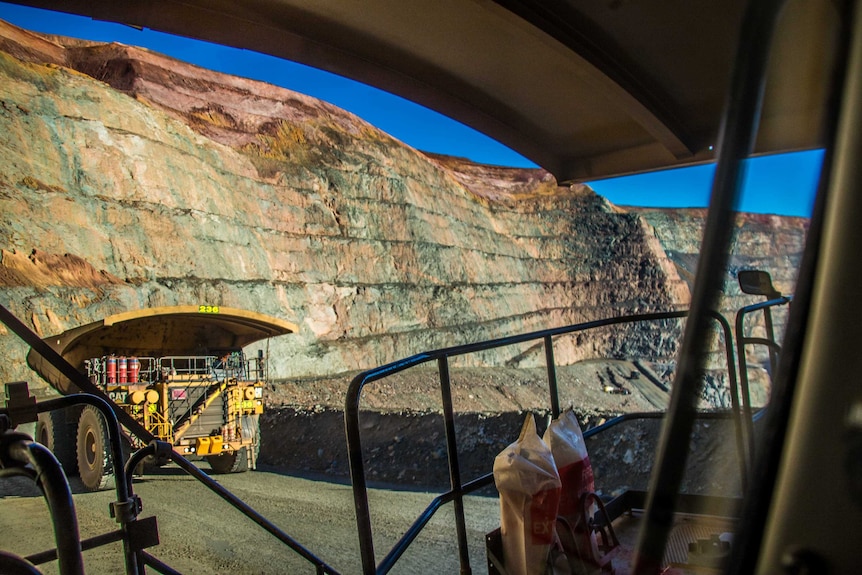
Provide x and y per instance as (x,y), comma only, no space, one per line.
(454,466)
(397,366)
(783,300)
(748,542)
(773,346)
(135,459)
(624,503)
(740,430)
(746,393)
(739,425)
(122,486)
(613,422)
(411,534)
(388,369)
(733,414)
(357,474)
(551,366)
(158,565)
(156,447)
(478,483)
(13,565)
(770,336)
(741,342)
(58,495)
(86,545)
(416,528)
(738,133)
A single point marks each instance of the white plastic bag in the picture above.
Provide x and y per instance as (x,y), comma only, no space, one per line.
(566,442)
(529,486)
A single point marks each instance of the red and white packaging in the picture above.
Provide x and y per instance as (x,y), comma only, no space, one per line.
(526,477)
(566,442)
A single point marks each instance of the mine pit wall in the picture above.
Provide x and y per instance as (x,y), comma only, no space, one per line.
(760,241)
(172,185)
(302,211)
(586,264)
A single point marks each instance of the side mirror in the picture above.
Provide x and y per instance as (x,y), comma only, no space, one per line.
(757,282)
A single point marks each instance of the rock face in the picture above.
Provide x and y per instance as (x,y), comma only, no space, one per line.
(132,180)
(760,241)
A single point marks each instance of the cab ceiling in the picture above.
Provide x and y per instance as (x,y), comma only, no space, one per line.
(587,89)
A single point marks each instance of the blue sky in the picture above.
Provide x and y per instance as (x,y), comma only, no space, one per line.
(782,184)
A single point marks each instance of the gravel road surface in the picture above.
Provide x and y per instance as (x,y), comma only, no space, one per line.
(200,533)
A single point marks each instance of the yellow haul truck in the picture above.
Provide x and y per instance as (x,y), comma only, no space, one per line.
(178,371)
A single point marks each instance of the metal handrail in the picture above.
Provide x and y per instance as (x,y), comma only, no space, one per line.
(125,500)
(457,489)
(94,396)
(774,349)
(48,475)
(135,559)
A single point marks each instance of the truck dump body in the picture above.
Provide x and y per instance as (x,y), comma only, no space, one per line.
(179,372)
(158,332)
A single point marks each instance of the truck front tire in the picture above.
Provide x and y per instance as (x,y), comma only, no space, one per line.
(236,462)
(93,462)
(244,459)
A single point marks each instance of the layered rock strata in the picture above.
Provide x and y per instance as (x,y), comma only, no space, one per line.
(760,241)
(132,180)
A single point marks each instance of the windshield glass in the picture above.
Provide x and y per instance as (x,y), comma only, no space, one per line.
(444,295)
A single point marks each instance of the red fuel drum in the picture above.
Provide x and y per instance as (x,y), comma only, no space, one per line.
(123,368)
(112,370)
(134,369)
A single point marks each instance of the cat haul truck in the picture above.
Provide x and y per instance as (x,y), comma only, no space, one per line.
(180,372)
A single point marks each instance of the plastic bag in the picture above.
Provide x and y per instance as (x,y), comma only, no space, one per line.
(526,477)
(566,442)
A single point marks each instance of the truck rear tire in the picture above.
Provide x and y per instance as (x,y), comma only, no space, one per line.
(236,462)
(93,462)
(56,432)
(251,430)
(244,459)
